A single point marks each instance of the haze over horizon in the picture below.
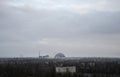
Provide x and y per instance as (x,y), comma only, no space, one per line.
(77,28)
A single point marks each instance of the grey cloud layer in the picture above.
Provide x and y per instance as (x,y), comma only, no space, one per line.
(60,25)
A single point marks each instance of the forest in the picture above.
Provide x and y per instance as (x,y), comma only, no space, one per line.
(36,67)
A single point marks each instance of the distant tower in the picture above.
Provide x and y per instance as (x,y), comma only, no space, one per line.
(40,55)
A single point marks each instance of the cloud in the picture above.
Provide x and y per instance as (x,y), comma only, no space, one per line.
(97,5)
(86,27)
(78,6)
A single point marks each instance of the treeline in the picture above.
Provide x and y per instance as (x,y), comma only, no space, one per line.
(46,68)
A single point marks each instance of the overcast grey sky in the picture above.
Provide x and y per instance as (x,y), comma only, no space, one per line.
(82,28)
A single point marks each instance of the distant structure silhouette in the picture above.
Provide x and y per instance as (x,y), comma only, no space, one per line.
(59,55)
(43,56)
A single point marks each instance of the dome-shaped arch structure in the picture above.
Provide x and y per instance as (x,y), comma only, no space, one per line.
(59,55)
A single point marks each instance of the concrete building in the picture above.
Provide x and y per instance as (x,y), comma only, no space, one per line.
(70,69)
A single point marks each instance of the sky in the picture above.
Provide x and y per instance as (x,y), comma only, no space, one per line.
(76,28)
